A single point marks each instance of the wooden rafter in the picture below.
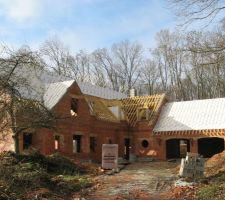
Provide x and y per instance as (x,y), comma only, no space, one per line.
(100,107)
(131,106)
(193,133)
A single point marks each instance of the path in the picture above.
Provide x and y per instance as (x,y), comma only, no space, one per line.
(137,181)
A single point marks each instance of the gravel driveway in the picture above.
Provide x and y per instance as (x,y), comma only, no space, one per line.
(146,180)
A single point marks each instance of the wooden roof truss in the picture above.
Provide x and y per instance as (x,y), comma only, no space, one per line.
(133,108)
(100,108)
(136,107)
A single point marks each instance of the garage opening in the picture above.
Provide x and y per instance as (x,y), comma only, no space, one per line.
(207,147)
(177,148)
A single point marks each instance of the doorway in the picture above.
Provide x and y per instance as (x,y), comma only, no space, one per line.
(127,148)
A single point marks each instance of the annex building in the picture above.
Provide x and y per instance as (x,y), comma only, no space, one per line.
(142,126)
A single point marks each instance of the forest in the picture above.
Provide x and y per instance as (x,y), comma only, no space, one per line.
(184,65)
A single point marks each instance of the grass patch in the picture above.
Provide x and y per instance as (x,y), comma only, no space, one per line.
(210,192)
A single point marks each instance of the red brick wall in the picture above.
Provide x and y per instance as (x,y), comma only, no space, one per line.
(83,124)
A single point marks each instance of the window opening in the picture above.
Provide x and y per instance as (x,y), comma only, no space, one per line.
(77,143)
(27,140)
(74,107)
(143,114)
(57,142)
(144,143)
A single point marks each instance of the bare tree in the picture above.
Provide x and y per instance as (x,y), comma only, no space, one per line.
(197,10)
(128,61)
(18,111)
(82,70)
(170,59)
(57,56)
(150,76)
(104,62)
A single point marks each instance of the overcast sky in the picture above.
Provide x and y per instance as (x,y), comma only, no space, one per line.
(83,24)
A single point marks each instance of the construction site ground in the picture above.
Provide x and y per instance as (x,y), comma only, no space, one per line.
(141,180)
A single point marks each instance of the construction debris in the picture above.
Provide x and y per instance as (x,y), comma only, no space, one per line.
(192,166)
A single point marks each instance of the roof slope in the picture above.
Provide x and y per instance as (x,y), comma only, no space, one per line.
(42,85)
(105,93)
(55,91)
(192,115)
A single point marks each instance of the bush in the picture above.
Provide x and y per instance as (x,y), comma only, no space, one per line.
(29,175)
(61,165)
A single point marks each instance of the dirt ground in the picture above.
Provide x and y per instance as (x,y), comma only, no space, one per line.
(146,180)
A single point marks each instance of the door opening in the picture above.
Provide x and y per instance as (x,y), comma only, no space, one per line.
(127,148)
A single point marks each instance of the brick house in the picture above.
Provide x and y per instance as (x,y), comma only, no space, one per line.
(145,126)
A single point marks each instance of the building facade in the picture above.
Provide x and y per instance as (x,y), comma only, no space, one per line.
(143,127)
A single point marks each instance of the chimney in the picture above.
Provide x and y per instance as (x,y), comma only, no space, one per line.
(133,92)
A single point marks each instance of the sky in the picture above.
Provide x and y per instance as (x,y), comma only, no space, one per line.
(83,24)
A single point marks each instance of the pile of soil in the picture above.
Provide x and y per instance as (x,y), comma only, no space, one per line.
(215,164)
(34,176)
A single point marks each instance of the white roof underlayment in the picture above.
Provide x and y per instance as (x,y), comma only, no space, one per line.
(192,115)
(49,87)
(105,93)
(55,91)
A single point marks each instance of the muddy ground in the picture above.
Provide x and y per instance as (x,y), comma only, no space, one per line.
(146,180)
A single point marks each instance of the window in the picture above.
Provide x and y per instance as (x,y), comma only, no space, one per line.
(27,140)
(57,142)
(143,114)
(110,141)
(144,143)
(92,144)
(74,106)
(77,143)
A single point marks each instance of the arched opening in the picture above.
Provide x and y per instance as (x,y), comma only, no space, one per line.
(177,148)
(207,147)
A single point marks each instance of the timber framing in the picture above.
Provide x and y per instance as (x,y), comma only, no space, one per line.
(193,133)
(135,107)
(100,107)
